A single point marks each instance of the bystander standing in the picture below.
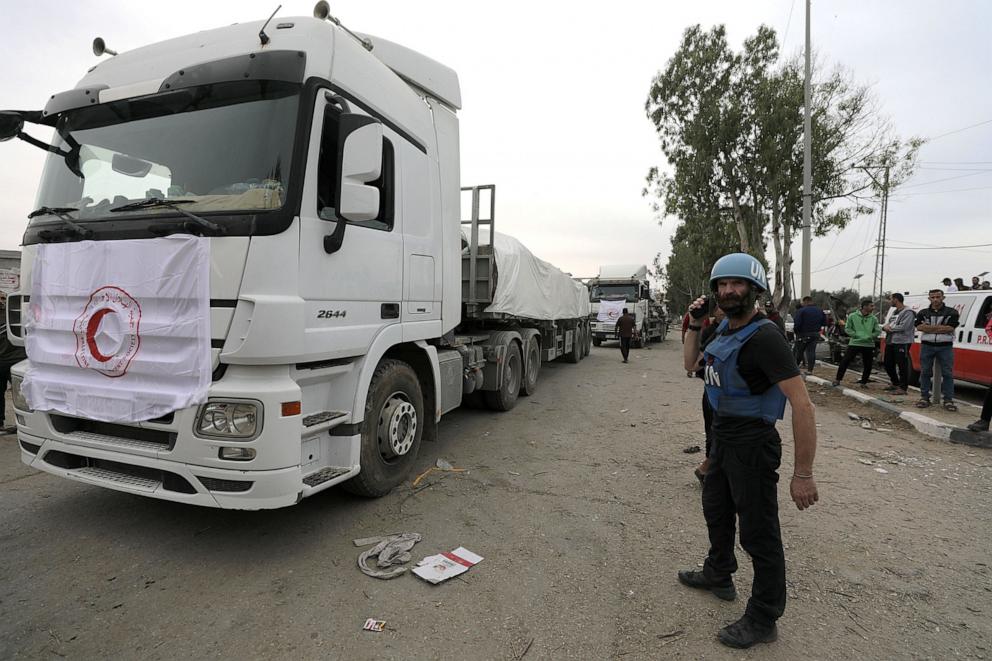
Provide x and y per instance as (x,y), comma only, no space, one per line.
(937,323)
(899,335)
(862,328)
(807,323)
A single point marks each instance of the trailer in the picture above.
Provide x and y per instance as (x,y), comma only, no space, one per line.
(249,278)
(625,286)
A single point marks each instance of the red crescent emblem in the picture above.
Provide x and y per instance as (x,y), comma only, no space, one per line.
(108,348)
(91,328)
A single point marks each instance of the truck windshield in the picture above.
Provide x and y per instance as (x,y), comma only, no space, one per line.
(221,147)
(613,292)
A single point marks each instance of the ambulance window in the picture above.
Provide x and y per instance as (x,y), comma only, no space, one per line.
(981,320)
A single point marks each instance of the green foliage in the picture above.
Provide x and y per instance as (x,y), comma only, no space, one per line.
(731,127)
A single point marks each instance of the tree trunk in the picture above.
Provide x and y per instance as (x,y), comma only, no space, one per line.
(787,292)
(780,266)
(741,225)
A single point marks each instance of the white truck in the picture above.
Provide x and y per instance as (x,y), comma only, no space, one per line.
(629,284)
(349,304)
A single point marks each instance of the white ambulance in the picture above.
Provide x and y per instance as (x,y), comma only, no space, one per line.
(972,341)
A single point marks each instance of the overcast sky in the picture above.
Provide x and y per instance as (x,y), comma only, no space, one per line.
(553,112)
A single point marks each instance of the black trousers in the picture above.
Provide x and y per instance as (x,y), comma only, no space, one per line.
(624,347)
(987,406)
(867,355)
(708,423)
(4,382)
(896,361)
(742,484)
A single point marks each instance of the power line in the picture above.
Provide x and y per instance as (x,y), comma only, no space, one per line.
(937,181)
(787,24)
(849,259)
(955,162)
(977,245)
(937,192)
(963,128)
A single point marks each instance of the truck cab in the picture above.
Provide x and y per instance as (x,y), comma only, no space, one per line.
(625,286)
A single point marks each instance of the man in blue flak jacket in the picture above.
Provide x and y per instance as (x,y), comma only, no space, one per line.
(750,373)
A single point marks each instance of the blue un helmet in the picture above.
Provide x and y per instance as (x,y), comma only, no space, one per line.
(739,265)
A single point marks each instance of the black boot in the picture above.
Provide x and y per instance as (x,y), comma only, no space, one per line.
(746,632)
(696,579)
(979,425)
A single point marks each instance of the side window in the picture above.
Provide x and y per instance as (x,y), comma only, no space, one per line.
(327,165)
(327,174)
(981,320)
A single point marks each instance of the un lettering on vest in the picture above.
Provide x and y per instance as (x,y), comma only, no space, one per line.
(710,376)
(119,331)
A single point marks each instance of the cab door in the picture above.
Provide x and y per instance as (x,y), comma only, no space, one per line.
(354,289)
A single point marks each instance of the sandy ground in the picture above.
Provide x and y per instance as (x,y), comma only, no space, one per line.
(581,502)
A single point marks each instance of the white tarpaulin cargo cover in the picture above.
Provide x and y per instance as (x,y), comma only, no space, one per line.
(532,288)
(119,331)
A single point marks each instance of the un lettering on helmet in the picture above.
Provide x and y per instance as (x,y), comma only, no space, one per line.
(758,273)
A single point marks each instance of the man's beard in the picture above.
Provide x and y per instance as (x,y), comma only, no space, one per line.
(737,306)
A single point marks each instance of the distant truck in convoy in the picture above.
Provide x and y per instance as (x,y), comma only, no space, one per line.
(350,304)
(627,283)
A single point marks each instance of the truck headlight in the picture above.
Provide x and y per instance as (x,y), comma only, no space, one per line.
(229,419)
(16,396)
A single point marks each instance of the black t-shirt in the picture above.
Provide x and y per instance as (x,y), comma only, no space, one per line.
(705,337)
(764,360)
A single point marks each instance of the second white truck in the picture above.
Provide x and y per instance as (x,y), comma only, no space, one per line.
(629,284)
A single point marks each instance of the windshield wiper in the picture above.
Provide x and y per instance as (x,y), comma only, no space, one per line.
(151,203)
(157,202)
(63,214)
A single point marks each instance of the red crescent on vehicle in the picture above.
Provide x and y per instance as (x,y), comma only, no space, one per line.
(91,329)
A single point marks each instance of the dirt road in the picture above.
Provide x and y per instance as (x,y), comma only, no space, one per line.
(583,505)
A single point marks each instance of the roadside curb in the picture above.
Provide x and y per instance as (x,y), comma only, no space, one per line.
(923,424)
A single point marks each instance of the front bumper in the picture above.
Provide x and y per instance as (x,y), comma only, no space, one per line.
(159,478)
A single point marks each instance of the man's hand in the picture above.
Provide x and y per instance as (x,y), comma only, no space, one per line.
(887,328)
(695,305)
(803,492)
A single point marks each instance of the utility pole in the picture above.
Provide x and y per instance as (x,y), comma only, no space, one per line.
(880,246)
(807,166)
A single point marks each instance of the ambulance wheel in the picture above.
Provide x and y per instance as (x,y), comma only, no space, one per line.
(505,398)
(391,431)
(596,341)
(532,366)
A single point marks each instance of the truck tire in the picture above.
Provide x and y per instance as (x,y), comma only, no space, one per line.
(588,343)
(532,367)
(505,398)
(582,342)
(391,431)
(596,341)
(576,352)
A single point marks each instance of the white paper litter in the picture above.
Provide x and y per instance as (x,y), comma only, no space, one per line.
(437,568)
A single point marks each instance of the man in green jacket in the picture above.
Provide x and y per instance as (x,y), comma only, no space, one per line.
(862,328)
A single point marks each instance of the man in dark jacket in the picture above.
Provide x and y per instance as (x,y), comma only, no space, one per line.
(808,321)
(9,356)
(625,329)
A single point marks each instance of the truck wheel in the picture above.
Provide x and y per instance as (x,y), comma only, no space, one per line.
(596,341)
(532,366)
(576,352)
(582,342)
(391,431)
(588,343)
(505,398)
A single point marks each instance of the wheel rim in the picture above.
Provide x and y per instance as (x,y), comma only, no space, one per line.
(533,362)
(512,371)
(397,427)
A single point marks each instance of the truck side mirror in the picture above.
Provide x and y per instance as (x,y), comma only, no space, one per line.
(359,161)
(11,123)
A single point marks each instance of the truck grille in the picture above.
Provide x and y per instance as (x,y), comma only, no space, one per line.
(112,434)
(119,473)
(15,304)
